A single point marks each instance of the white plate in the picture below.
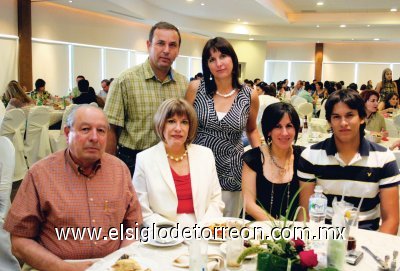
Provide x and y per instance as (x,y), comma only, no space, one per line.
(222,247)
(158,244)
(107,264)
(221,220)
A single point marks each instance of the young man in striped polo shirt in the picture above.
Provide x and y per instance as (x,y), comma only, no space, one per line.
(348,163)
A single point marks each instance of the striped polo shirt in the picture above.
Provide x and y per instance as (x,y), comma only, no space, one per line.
(372,168)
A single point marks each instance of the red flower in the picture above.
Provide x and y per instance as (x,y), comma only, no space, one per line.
(298,244)
(308,258)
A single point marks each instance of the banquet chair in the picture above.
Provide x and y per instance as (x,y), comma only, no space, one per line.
(37,143)
(2,109)
(13,127)
(7,165)
(297,101)
(305,109)
(322,112)
(57,137)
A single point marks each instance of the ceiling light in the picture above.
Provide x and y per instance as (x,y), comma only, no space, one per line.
(202,4)
(342,25)
(320,3)
(377,39)
(251,38)
(317,25)
(245,22)
(393,9)
(368,25)
(189,0)
(238,20)
(352,39)
(70,1)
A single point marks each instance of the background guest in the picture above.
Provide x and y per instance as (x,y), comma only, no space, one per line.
(375,121)
(390,104)
(40,94)
(15,97)
(386,86)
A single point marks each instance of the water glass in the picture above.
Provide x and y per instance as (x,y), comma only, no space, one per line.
(198,257)
(234,247)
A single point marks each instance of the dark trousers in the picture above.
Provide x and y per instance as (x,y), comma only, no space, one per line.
(128,156)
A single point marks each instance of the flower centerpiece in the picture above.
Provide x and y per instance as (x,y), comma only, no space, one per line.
(281,253)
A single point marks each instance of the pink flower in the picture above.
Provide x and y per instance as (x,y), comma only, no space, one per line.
(298,244)
(308,258)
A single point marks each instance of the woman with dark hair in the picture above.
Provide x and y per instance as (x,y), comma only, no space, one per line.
(40,94)
(225,108)
(390,104)
(270,171)
(374,121)
(386,86)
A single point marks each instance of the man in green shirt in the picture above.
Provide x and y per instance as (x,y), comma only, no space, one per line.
(136,94)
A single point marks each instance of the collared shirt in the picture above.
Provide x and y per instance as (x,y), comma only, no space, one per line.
(371,169)
(134,98)
(375,123)
(54,194)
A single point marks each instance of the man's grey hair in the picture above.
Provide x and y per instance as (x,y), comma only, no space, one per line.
(71,116)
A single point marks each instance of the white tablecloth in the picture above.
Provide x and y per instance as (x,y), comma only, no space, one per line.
(160,259)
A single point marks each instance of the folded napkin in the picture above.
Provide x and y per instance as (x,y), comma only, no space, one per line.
(215,262)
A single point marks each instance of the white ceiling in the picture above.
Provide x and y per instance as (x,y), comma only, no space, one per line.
(266,20)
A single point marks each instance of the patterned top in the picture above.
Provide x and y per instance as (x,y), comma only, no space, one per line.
(223,136)
(387,88)
(282,193)
(134,98)
(55,194)
(372,168)
(45,96)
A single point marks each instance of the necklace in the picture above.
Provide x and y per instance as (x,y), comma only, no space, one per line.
(271,203)
(229,94)
(281,170)
(177,159)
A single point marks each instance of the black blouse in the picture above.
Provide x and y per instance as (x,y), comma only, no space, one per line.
(280,191)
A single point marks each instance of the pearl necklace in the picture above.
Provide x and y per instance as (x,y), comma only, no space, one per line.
(177,159)
(229,94)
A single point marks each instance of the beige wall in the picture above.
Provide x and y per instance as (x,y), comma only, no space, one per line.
(253,54)
(290,51)
(77,26)
(8,17)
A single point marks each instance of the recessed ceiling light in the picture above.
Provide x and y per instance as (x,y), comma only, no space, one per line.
(377,39)
(318,41)
(320,3)
(251,38)
(352,39)
(317,25)
(342,25)
(393,9)
(368,25)
(70,1)
(238,20)
(202,4)
(245,22)
(189,0)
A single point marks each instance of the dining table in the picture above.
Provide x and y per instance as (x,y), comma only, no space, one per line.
(161,258)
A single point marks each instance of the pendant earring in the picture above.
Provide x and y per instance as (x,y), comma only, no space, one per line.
(269,141)
(211,78)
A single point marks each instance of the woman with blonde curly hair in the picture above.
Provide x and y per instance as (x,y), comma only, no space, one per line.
(15,96)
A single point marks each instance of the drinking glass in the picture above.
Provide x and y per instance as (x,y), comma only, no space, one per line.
(234,247)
